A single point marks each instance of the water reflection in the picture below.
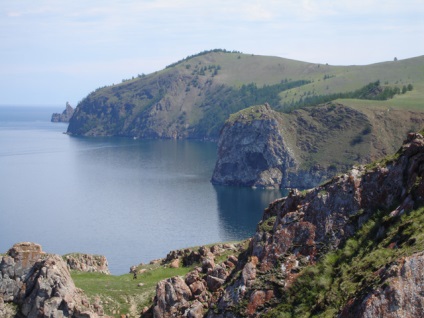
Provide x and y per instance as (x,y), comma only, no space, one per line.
(240,209)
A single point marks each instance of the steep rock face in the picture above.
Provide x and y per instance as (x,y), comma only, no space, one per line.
(400,296)
(252,151)
(65,116)
(41,285)
(264,148)
(87,263)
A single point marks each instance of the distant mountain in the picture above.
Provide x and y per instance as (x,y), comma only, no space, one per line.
(193,97)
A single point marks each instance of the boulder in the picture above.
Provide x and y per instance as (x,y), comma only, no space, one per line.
(41,285)
(172,296)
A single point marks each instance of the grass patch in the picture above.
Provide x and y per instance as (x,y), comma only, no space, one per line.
(324,289)
(121,294)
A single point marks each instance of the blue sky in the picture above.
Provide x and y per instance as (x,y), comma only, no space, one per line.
(53,51)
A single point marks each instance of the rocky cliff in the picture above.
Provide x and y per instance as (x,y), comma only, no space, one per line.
(349,248)
(65,116)
(40,285)
(252,150)
(259,147)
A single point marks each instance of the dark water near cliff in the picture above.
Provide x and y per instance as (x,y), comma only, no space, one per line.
(131,200)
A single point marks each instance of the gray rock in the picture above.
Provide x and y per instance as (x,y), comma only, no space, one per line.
(41,284)
(65,116)
(87,263)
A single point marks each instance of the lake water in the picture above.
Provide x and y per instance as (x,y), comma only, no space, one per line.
(130,200)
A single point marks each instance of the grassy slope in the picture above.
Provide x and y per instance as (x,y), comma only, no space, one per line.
(349,78)
(121,294)
(201,101)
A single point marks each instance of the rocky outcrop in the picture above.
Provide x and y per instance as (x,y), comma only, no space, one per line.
(252,150)
(192,295)
(65,116)
(87,263)
(41,286)
(402,294)
(296,231)
(259,147)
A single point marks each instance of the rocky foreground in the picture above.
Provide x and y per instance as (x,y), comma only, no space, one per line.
(40,284)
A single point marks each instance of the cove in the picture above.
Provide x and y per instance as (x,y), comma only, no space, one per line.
(130,200)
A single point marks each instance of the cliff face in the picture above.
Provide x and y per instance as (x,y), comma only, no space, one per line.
(65,116)
(252,150)
(263,148)
(298,232)
(41,285)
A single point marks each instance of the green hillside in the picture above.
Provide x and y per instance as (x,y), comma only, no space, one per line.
(193,98)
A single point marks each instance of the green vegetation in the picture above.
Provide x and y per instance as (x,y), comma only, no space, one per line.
(371,91)
(122,294)
(211,85)
(228,100)
(200,54)
(268,224)
(322,290)
(125,295)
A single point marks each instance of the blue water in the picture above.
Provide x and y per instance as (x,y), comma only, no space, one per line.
(130,200)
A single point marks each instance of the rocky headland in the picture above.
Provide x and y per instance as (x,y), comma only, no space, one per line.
(65,116)
(260,147)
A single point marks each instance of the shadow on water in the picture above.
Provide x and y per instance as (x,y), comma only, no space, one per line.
(240,209)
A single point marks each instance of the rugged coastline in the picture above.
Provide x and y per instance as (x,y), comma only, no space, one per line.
(348,248)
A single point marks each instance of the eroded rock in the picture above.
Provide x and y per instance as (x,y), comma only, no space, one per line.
(41,284)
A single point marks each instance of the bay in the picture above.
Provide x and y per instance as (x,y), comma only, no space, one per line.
(130,200)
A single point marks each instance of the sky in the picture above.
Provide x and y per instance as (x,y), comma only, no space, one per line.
(54,51)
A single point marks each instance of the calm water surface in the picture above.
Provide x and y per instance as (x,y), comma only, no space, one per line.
(130,200)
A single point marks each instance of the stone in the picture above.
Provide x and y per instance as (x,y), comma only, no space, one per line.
(65,116)
(208,262)
(196,310)
(172,296)
(214,283)
(41,285)
(88,263)
(175,263)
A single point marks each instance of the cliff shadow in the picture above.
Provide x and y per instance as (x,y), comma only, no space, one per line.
(240,209)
